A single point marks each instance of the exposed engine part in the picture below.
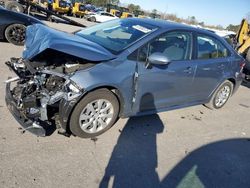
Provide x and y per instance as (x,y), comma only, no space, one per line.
(54,83)
(40,88)
(29,101)
(12,80)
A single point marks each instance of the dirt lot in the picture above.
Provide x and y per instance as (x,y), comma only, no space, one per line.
(188,147)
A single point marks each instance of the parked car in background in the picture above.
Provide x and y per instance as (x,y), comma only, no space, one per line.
(13,25)
(100,16)
(126,67)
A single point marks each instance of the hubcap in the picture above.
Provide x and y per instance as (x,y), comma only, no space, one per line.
(222,96)
(96,116)
(17,34)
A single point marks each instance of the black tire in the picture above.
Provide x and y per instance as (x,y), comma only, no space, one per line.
(90,98)
(14,6)
(248,55)
(212,104)
(92,19)
(15,34)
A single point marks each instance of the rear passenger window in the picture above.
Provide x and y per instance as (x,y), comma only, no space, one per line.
(210,48)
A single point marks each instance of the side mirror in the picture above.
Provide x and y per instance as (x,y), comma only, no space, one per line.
(158,59)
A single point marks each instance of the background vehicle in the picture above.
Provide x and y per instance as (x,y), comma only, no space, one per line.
(100,17)
(121,12)
(243,39)
(13,5)
(121,68)
(243,45)
(78,8)
(113,9)
(42,7)
(89,8)
(60,6)
(125,13)
(13,25)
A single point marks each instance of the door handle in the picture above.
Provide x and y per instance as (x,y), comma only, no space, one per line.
(188,70)
(206,68)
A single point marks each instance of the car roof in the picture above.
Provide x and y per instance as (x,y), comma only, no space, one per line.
(169,25)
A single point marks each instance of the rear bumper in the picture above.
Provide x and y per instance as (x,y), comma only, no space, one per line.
(239,78)
(36,127)
(246,71)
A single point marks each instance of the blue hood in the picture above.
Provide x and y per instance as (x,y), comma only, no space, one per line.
(40,37)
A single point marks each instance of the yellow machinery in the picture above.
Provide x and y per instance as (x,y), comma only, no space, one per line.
(243,46)
(243,40)
(121,12)
(60,6)
(115,12)
(114,9)
(125,13)
(78,8)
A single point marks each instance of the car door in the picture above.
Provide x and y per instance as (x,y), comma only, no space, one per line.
(212,64)
(164,86)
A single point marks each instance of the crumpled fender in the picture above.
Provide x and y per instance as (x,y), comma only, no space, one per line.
(40,37)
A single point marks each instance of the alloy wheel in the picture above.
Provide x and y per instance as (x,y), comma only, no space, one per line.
(96,116)
(222,96)
(16,34)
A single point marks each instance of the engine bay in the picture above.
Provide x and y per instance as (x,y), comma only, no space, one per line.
(39,87)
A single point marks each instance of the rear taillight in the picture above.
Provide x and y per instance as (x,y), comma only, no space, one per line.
(242,65)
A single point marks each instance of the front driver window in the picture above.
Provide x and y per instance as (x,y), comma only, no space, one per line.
(174,45)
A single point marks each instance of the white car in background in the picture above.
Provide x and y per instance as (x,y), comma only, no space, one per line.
(100,16)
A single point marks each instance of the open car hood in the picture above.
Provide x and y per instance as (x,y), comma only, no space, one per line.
(40,38)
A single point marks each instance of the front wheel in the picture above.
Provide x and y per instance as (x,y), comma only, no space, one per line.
(94,114)
(15,34)
(221,95)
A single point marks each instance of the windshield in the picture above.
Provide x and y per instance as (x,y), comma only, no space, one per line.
(118,34)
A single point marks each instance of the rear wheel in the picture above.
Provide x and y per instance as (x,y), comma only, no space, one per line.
(94,114)
(93,19)
(15,34)
(221,95)
(14,6)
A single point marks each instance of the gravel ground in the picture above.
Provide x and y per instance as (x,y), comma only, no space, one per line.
(191,147)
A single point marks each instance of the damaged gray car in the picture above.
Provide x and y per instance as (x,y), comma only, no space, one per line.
(81,83)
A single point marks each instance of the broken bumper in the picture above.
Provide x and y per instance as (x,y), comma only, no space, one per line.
(27,124)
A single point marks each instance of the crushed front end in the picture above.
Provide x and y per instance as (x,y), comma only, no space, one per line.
(42,96)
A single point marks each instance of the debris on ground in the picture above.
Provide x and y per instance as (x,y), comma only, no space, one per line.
(198,119)
(243,105)
(94,139)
